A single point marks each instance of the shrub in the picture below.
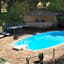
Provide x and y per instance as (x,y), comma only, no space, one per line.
(2,61)
(40,56)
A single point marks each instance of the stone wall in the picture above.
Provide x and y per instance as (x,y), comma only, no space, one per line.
(48,21)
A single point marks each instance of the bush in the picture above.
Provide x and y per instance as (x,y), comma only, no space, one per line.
(40,56)
(2,61)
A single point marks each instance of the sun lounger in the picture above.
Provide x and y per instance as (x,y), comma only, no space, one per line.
(20,47)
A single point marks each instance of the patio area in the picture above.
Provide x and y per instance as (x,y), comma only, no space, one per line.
(19,57)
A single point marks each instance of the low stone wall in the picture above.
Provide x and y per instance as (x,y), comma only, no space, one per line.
(59,60)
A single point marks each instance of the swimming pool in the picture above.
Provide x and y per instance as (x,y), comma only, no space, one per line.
(42,40)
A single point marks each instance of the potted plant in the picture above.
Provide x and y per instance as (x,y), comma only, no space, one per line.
(40,56)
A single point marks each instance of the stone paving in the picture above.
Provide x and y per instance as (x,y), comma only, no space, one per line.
(19,57)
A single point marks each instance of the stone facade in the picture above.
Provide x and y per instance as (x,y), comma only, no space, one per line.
(41,21)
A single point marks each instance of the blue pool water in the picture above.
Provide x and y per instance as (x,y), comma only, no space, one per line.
(42,40)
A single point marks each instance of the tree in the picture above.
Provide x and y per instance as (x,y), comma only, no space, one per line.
(10,4)
(56,5)
(17,13)
(0,6)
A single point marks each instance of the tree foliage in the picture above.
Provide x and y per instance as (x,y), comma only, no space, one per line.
(56,5)
(17,9)
(17,13)
(0,7)
(34,3)
(10,3)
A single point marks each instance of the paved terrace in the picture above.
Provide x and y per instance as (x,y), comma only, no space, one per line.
(19,57)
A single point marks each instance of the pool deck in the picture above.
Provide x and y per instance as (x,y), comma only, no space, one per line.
(19,57)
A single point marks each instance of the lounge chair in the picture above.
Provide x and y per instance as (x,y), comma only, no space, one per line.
(20,47)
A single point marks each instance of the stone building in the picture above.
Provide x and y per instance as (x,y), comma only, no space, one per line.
(41,18)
